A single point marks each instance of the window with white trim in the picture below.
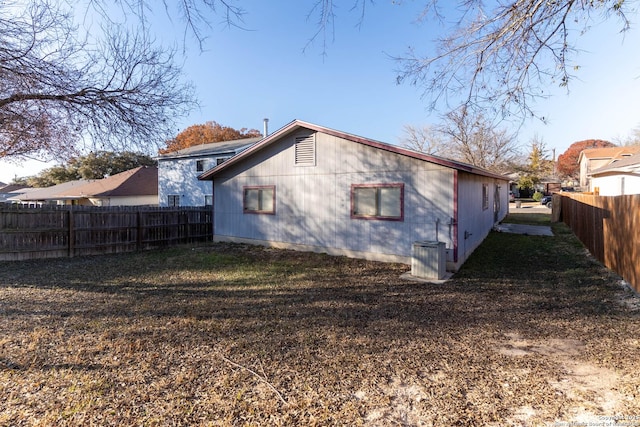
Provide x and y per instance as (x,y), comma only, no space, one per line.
(378,201)
(201,165)
(260,199)
(208,200)
(173,200)
(221,160)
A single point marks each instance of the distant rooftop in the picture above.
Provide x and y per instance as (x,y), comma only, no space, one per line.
(140,181)
(625,164)
(610,152)
(48,193)
(211,148)
(11,188)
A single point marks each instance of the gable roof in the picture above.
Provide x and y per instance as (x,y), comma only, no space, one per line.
(604,153)
(11,188)
(212,148)
(299,124)
(48,193)
(625,164)
(140,181)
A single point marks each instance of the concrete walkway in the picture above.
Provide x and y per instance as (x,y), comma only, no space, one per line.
(531,230)
(528,207)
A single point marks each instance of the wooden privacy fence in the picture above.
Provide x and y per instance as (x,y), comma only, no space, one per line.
(608,226)
(49,232)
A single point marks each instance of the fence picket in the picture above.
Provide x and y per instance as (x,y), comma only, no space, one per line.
(67,231)
(609,226)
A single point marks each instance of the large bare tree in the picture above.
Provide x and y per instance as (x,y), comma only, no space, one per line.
(425,139)
(62,91)
(468,137)
(477,141)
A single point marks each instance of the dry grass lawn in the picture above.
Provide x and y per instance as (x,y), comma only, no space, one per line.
(530,332)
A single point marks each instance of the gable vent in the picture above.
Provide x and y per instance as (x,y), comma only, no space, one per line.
(305,150)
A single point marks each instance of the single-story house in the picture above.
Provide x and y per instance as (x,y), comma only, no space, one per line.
(312,188)
(618,178)
(178,183)
(8,191)
(135,187)
(46,195)
(592,159)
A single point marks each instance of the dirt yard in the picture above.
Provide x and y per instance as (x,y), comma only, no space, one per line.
(530,332)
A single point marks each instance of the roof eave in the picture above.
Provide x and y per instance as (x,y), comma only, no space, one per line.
(296,124)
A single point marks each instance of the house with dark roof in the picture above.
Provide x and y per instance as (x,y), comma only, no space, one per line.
(312,188)
(178,171)
(45,195)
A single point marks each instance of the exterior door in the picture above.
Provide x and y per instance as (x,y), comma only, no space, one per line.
(496,203)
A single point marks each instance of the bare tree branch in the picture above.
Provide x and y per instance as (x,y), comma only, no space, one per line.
(325,12)
(468,137)
(424,139)
(501,60)
(60,94)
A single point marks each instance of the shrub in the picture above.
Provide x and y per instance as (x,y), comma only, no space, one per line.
(537,196)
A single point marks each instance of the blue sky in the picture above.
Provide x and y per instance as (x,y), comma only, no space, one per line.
(244,76)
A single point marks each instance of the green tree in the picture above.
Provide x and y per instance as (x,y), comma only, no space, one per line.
(20,180)
(538,165)
(92,166)
(104,163)
(53,176)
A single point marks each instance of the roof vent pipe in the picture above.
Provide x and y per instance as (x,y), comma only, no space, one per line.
(266,128)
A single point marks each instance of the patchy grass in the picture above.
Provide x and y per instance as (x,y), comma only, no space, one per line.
(532,213)
(525,334)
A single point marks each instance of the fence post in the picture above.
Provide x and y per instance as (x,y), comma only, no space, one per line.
(187,227)
(71,233)
(139,231)
(46,228)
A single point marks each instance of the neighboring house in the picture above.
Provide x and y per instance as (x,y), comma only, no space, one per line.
(618,178)
(46,195)
(178,183)
(308,187)
(595,158)
(135,187)
(8,191)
